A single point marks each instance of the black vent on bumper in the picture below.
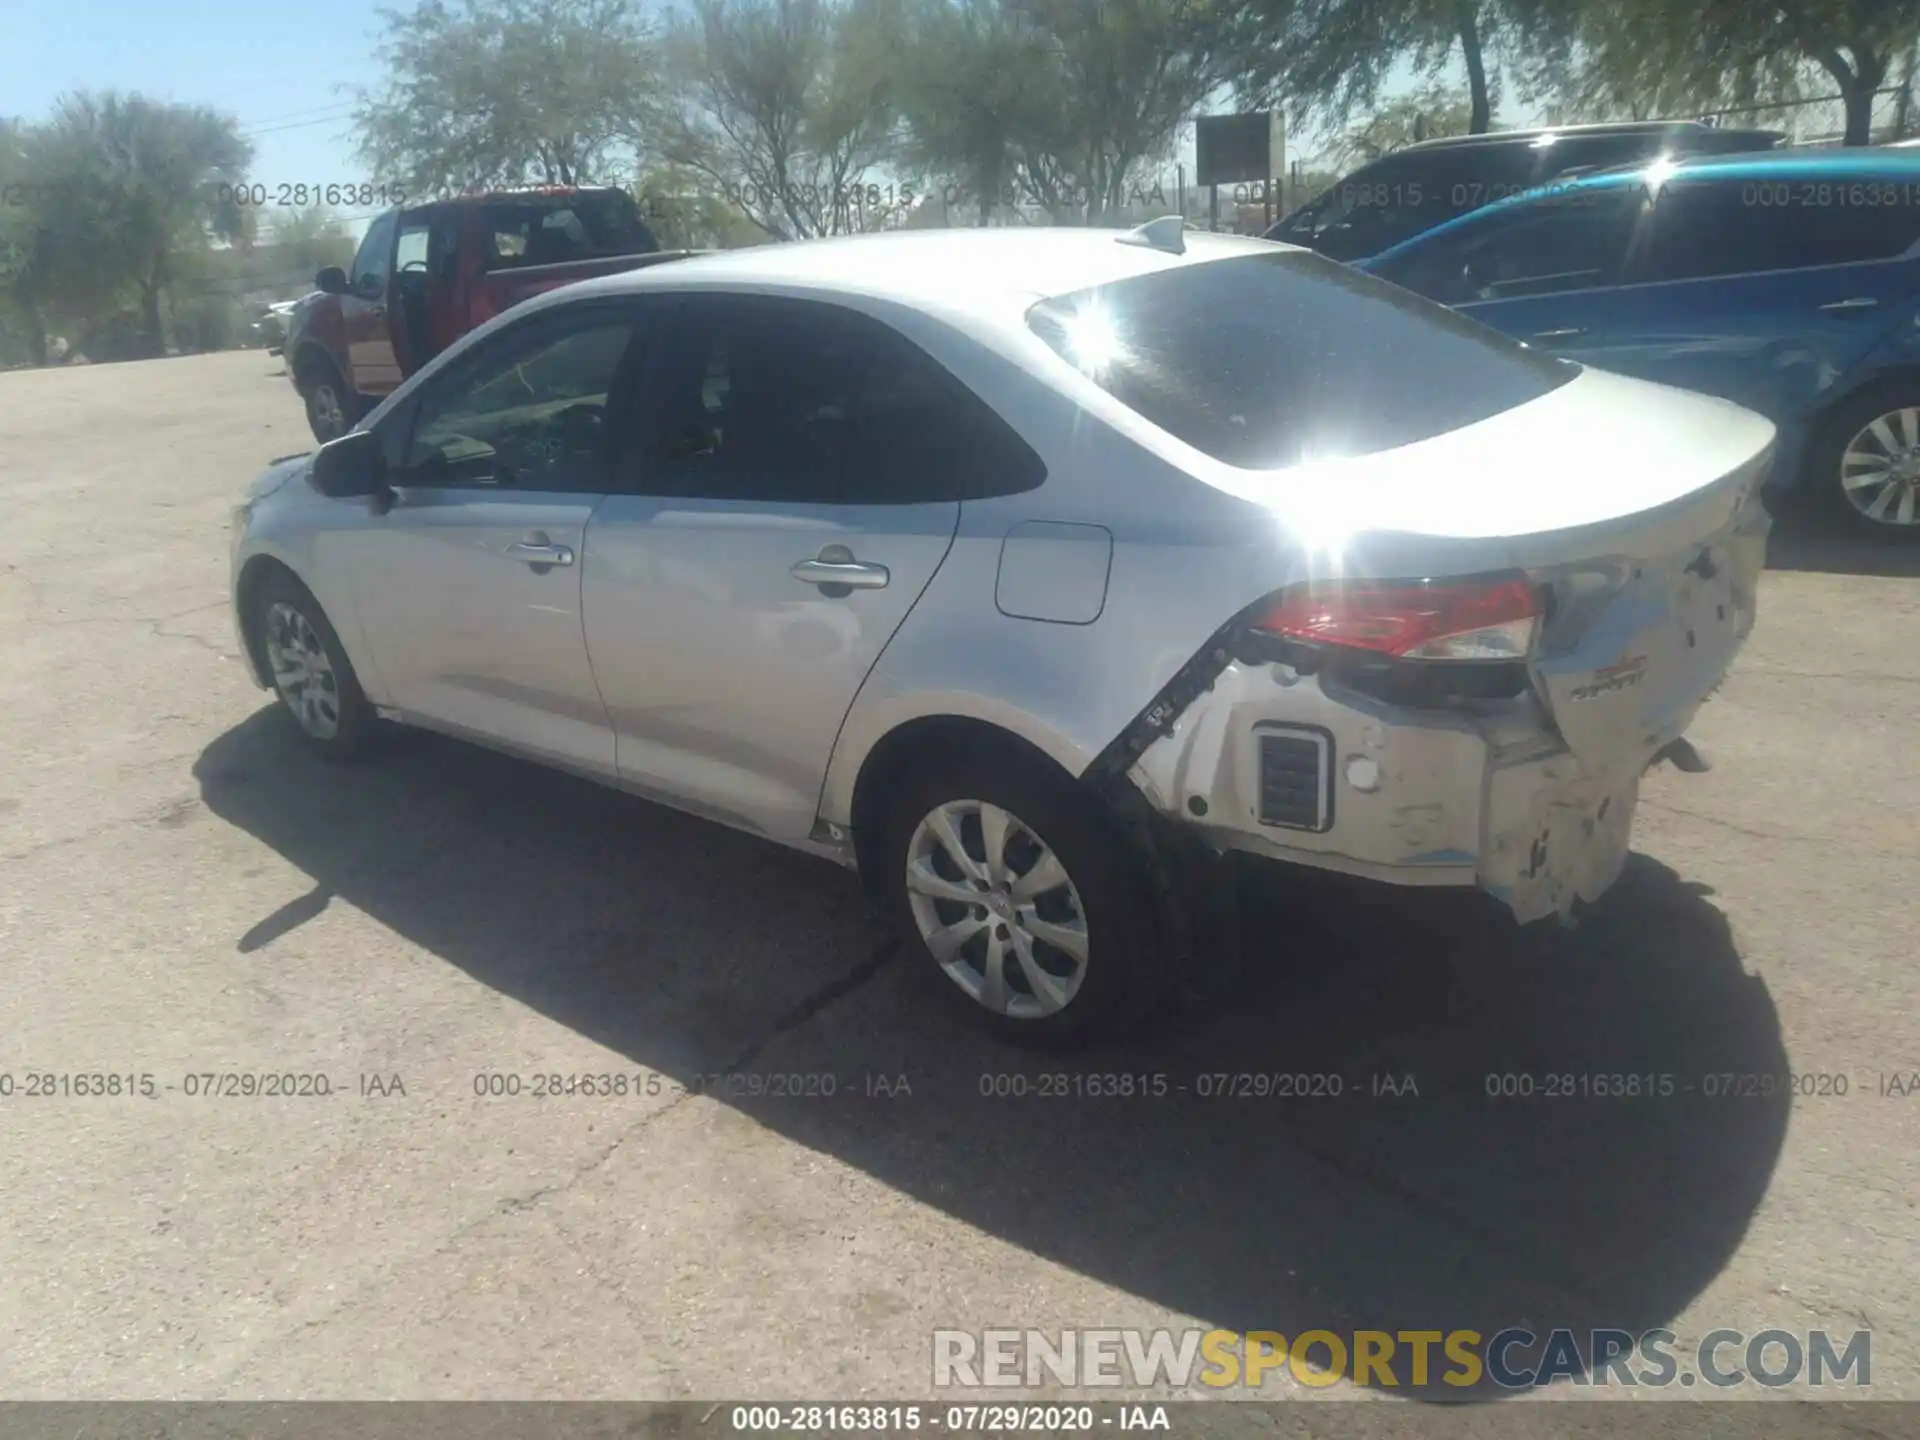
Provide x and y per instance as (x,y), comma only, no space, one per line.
(1296,778)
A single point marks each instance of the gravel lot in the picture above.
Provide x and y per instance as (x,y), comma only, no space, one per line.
(182,891)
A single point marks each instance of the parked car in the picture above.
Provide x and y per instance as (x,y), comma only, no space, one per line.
(1788,282)
(1028,571)
(1399,195)
(270,325)
(427,274)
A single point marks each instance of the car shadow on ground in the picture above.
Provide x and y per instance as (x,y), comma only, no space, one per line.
(1476,1169)
(1808,538)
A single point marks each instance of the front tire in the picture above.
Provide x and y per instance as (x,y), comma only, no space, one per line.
(1023,905)
(312,678)
(1864,463)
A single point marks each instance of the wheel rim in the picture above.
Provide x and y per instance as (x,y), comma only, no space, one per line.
(1880,468)
(329,416)
(997,909)
(302,673)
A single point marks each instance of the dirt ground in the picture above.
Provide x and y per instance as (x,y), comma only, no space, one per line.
(183,892)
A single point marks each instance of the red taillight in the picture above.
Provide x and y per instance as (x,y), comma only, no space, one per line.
(1421,620)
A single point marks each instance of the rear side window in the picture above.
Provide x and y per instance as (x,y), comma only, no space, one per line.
(780,399)
(1268,360)
(1737,227)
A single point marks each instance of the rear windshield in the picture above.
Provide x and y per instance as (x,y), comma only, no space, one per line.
(1268,360)
(552,229)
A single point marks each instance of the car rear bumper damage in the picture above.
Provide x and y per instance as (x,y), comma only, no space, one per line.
(1529,795)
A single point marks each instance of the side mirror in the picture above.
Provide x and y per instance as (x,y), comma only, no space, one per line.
(332,280)
(350,466)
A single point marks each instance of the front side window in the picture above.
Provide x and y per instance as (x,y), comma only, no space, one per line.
(372,262)
(1395,199)
(1734,227)
(1269,360)
(529,414)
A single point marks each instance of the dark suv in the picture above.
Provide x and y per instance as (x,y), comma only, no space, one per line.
(1399,195)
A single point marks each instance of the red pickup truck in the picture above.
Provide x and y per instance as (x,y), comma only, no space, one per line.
(427,274)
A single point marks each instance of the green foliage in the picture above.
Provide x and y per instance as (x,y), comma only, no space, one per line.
(685,212)
(784,107)
(1428,114)
(210,321)
(1650,57)
(1053,103)
(508,92)
(1326,61)
(117,187)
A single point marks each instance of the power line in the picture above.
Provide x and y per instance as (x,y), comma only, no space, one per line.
(345,115)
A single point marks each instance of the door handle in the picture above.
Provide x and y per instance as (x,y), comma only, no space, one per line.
(378,312)
(1858,302)
(1566,333)
(846,574)
(541,554)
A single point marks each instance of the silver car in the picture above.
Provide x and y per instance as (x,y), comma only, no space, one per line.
(1030,571)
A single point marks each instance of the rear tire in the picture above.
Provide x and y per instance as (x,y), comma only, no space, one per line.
(313,680)
(1863,466)
(1023,905)
(332,409)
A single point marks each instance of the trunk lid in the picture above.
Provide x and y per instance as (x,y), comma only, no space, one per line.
(1633,507)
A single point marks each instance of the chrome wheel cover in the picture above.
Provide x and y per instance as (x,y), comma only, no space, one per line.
(997,909)
(1880,468)
(302,673)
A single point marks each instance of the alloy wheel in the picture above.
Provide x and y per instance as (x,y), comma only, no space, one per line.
(302,673)
(997,909)
(1880,468)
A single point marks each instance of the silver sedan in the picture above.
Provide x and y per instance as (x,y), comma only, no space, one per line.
(1031,571)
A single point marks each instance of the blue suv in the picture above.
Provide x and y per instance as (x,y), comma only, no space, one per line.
(1787,281)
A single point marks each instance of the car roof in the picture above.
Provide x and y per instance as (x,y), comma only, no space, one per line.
(1556,133)
(1862,163)
(932,270)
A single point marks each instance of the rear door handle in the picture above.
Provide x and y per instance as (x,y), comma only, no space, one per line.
(1563,334)
(541,554)
(850,574)
(1858,302)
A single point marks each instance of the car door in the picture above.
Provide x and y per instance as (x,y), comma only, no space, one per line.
(795,486)
(468,587)
(373,367)
(1769,293)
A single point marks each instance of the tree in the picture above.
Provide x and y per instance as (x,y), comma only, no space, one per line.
(1429,114)
(310,240)
(1129,73)
(786,108)
(122,187)
(1327,59)
(973,87)
(1648,54)
(686,212)
(1057,102)
(508,92)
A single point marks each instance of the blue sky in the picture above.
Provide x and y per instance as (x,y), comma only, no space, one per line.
(287,76)
(285,70)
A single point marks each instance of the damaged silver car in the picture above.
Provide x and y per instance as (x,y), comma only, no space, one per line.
(1030,572)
